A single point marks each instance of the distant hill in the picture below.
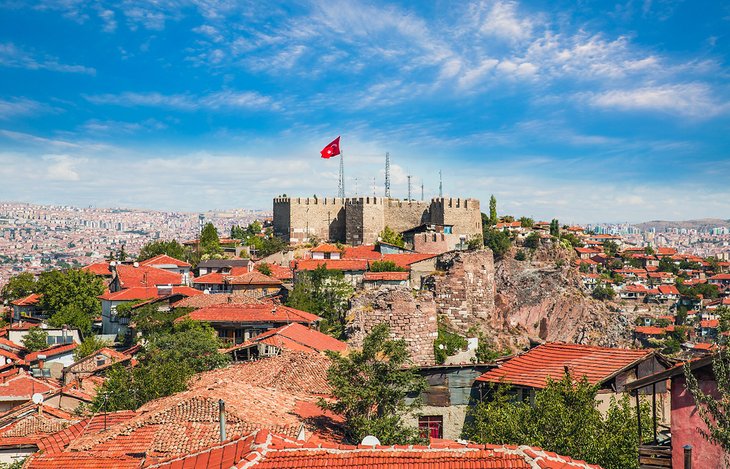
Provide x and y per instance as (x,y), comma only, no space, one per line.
(700,224)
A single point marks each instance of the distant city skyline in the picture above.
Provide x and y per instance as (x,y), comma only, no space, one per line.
(582,111)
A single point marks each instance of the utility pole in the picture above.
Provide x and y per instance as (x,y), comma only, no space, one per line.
(409,188)
(387,174)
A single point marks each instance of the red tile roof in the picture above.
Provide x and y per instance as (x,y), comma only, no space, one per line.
(19,385)
(30,300)
(51,351)
(264,450)
(332,264)
(265,312)
(668,290)
(720,277)
(325,248)
(386,276)
(98,268)
(164,260)
(58,441)
(650,330)
(29,423)
(298,338)
(282,273)
(405,260)
(274,394)
(255,278)
(147,293)
(534,367)
(201,301)
(666,251)
(144,276)
(365,251)
(710,323)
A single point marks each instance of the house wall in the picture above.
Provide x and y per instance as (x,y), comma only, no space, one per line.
(453,417)
(686,425)
(18,335)
(9,456)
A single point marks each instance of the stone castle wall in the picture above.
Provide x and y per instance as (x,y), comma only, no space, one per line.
(411,319)
(359,220)
(298,219)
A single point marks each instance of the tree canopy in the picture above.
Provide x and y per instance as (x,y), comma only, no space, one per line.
(565,419)
(171,248)
(19,286)
(169,359)
(325,293)
(210,244)
(370,387)
(385,266)
(89,345)
(36,339)
(391,237)
(497,240)
(70,297)
(493,219)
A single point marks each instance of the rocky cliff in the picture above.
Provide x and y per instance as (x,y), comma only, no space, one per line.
(512,302)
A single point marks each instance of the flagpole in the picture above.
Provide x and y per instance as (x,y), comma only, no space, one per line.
(341,191)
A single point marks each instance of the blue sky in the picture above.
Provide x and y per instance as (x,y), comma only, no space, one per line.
(584,110)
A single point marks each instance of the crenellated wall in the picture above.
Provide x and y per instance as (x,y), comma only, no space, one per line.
(359,220)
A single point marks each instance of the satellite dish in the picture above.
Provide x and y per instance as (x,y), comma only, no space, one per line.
(37,398)
(370,440)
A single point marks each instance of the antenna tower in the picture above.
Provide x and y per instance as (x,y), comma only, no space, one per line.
(409,188)
(387,174)
(341,186)
(422,190)
(441,186)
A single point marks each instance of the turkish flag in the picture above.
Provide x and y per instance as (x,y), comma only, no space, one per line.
(333,149)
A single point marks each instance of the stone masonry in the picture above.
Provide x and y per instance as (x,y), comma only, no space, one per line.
(410,318)
(465,295)
(359,220)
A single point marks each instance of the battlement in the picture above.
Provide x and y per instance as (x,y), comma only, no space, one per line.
(398,203)
(368,200)
(458,202)
(308,200)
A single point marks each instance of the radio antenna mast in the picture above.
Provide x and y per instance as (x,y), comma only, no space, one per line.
(387,174)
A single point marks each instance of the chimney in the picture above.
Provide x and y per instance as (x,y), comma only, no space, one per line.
(222,418)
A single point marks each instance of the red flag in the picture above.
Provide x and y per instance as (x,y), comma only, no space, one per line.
(333,149)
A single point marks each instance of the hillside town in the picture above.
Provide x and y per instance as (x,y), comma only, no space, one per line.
(246,330)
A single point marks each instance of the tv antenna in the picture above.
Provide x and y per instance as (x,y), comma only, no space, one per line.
(387,174)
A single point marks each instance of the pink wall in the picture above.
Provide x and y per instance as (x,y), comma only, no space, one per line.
(686,423)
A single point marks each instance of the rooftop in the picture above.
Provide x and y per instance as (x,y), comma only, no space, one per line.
(534,367)
(252,312)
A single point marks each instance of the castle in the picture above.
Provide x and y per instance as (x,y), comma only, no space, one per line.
(359,220)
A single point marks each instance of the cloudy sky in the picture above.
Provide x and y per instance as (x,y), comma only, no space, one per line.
(583,110)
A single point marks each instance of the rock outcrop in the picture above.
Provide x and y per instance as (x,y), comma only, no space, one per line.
(512,302)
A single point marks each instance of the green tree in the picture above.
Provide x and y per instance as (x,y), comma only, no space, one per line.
(447,343)
(168,361)
(498,241)
(70,297)
(210,244)
(385,266)
(713,409)
(603,291)
(521,256)
(532,240)
(264,268)
(89,345)
(36,339)
(493,219)
(150,320)
(325,293)
(171,248)
(572,239)
(19,286)
(666,264)
(526,222)
(370,386)
(610,248)
(555,228)
(564,419)
(391,237)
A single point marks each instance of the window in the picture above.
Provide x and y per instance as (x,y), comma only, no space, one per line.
(431,426)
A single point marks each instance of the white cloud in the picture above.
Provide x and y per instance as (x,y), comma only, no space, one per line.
(17,107)
(107,17)
(503,22)
(15,57)
(694,100)
(62,167)
(185,102)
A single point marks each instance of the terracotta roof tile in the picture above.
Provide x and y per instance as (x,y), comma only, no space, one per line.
(253,312)
(385,276)
(332,264)
(326,248)
(534,367)
(51,351)
(164,260)
(98,268)
(144,276)
(201,301)
(30,300)
(298,338)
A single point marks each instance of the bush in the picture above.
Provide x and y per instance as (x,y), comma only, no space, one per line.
(603,292)
(532,241)
(498,241)
(385,266)
(447,344)
(521,256)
